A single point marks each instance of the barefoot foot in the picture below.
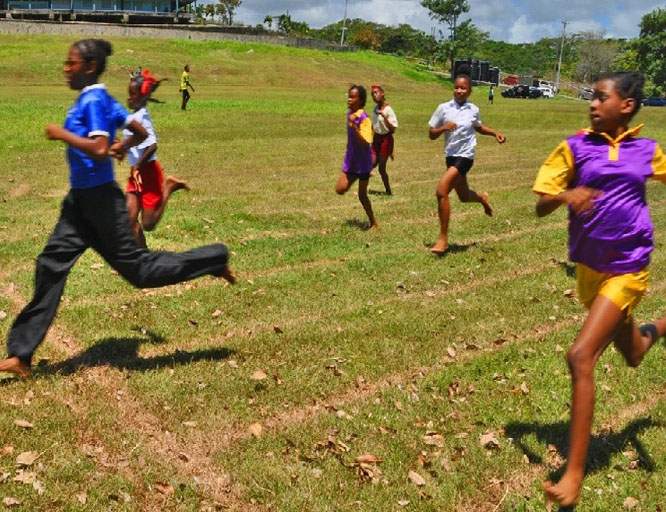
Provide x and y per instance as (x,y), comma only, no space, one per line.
(440,247)
(172,184)
(373,227)
(566,492)
(16,366)
(486,204)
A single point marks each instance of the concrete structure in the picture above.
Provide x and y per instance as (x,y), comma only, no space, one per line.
(193,32)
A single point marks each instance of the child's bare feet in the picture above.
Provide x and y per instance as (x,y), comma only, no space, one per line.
(374,226)
(16,366)
(566,492)
(440,247)
(486,204)
(172,184)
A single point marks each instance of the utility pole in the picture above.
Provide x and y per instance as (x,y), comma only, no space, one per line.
(344,25)
(559,60)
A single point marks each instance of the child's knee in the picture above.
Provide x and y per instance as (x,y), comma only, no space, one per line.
(579,360)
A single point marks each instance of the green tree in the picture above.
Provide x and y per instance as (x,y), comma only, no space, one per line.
(268,21)
(651,49)
(596,55)
(226,9)
(447,11)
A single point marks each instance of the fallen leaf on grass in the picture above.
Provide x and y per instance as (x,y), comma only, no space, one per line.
(184,457)
(82,498)
(366,467)
(368,458)
(259,375)
(3,315)
(23,424)
(6,450)
(38,487)
(25,477)
(232,363)
(27,458)
(277,329)
(256,429)
(4,477)
(10,501)
(189,424)
(403,503)
(164,488)
(216,313)
(451,352)
(416,479)
(630,503)
(433,439)
(489,441)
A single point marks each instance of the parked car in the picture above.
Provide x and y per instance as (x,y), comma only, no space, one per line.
(546,91)
(586,93)
(654,101)
(522,91)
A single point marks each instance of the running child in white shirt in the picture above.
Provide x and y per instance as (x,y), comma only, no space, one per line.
(384,124)
(147,191)
(459,120)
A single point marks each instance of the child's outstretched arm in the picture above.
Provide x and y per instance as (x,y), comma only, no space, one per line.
(487,130)
(96,147)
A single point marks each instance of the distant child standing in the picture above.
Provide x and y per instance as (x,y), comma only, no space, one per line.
(601,175)
(491,94)
(459,120)
(147,190)
(93,213)
(384,124)
(185,84)
(357,163)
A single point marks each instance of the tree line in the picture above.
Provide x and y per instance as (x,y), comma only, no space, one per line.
(585,54)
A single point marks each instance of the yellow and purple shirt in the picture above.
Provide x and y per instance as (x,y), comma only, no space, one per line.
(616,236)
(358,157)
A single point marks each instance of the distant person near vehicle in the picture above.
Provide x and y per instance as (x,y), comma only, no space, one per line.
(147,191)
(384,124)
(357,163)
(185,84)
(491,94)
(459,120)
(601,175)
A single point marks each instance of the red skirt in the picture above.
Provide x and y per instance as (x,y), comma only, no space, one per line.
(150,190)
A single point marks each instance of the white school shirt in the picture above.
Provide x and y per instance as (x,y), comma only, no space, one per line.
(378,123)
(462,140)
(136,152)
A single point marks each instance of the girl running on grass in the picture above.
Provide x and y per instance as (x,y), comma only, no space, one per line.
(459,120)
(93,213)
(600,174)
(147,190)
(358,157)
(384,124)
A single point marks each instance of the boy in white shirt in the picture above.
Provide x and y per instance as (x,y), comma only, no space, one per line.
(459,120)
(147,191)
(384,124)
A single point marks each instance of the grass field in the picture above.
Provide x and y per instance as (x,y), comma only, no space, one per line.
(157,400)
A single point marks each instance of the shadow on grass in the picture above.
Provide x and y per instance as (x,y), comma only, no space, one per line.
(379,193)
(123,353)
(453,249)
(602,446)
(569,268)
(358,224)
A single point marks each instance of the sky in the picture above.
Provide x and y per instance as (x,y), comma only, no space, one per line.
(514,21)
